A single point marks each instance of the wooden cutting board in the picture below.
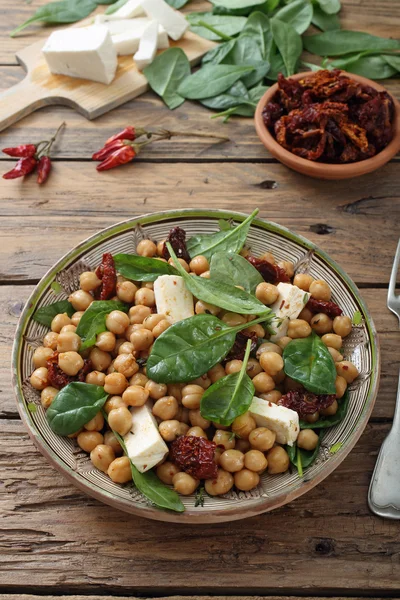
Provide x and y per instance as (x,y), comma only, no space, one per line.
(41,88)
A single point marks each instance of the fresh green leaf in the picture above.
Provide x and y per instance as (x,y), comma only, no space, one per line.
(335,448)
(141,268)
(219,294)
(393,60)
(308,361)
(337,43)
(330,7)
(288,42)
(76,404)
(189,348)
(32,407)
(235,270)
(223,241)
(56,287)
(246,52)
(257,92)
(216,55)
(93,320)
(225,224)
(277,66)
(165,74)
(114,7)
(311,66)
(101,2)
(357,318)
(298,14)
(237,93)
(364,64)
(46,314)
(177,4)
(230,396)
(258,28)
(64,11)
(267,7)
(302,459)
(299,464)
(228,26)
(323,21)
(324,422)
(211,80)
(236,4)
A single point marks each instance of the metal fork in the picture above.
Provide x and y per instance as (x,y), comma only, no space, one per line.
(384,490)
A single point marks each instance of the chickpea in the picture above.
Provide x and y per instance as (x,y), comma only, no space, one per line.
(115,384)
(298,328)
(342,325)
(80,300)
(303,281)
(331,410)
(191,396)
(59,322)
(199,265)
(126,364)
(145,297)
(183,415)
(257,329)
(166,472)
(268,256)
(272,363)
(312,418)
(279,377)
(337,357)
(246,480)
(138,313)
(135,395)
(220,485)
(152,320)
(184,483)
(233,366)
(341,386)
(126,291)
(117,321)
(232,460)
(273,396)
(171,429)
(254,460)
(287,266)
(225,439)
(243,425)
(76,317)
(69,328)
(160,248)
(166,408)
(146,248)
(120,420)
(119,470)
(320,290)
(284,341)
(253,367)
(68,341)
(219,426)
(267,293)
(50,340)
(268,347)
(321,323)
(106,341)
(278,460)
(262,439)
(142,339)
(161,327)
(332,340)
(196,420)
(307,439)
(175,389)
(125,348)
(47,396)
(156,390)
(41,355)
(196,432)
(102,457)
(202,381)
(100,360)
(89,281)
(263,382)
(88,440)
(95,424)
(70,362)
(233,319)
(113,402)
(291,384)
(202,308)
(242,445)
(111,440)
(347,370)
(140,379)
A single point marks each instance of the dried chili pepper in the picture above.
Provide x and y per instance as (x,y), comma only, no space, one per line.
(129,133)
(195,455)
(108,149)
(238,349)
(108,275)
(271,273)
(306,403)
(177,239)
(56,376)
(118,157)
(328,308)
(23,151)
(23,167)
(44,168)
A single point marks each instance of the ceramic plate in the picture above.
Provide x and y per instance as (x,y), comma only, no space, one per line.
(361,347)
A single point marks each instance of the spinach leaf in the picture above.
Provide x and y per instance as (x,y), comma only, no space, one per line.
(222,241)
(46,314)
(166,72)
(228,26)
(267,7)
(258,28)
(246,108)
(308,361)
(357,318)
(393,60)
(211,80)
(74,406)
(230,396)
(277,66)
(236,4)
(325,422)
(64,11)
(224,295)
(336,43)
(323,21)
(311,66)
(216,55)
(93,320)
(257,92)
(303,458)
(189,348)
(288,42)
(298,14)
(366,65)
(330,7)
(233,269)
(237,93)
(141,268)
(114,7)
(246,52)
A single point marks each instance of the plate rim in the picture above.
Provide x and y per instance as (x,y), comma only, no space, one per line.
(260,505)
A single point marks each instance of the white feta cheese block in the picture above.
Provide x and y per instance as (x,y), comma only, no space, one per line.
(123,25)
(289,305)
(84,52)
(283,421)
(143,442)
(130,9)
(173,299)
(147,46)
(126,42)
(173,21)
(163,41)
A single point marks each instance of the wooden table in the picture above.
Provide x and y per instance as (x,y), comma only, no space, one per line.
(54,540)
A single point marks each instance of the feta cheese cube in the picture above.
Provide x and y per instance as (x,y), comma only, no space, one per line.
(122,25)
(283,421)
(173,299)
(173,21)
(147,46)
(84,52)
(143,442)
(163,41)
(289,305)
(130,9)
(126,40)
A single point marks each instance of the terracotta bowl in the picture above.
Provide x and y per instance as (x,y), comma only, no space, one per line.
(361,347)
(326,170)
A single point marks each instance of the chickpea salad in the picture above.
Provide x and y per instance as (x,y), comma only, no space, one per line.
(194,366)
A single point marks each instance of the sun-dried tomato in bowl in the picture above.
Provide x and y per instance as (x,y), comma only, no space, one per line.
(329,117)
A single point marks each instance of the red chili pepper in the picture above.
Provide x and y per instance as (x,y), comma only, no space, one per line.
(108,275)
(119,157)
(104,152)
(23,167)
(44,168)
(23,151)
(129,133)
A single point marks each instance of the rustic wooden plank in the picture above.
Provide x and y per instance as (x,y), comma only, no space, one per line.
(12,299)
(77,201)
(330,528)
(79,597)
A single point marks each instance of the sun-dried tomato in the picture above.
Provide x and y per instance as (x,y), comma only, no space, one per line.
(271,273)
(306,403)
(108,275)
(56,376)
(195,455)
(238,349)
(177,239)
(328,308)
